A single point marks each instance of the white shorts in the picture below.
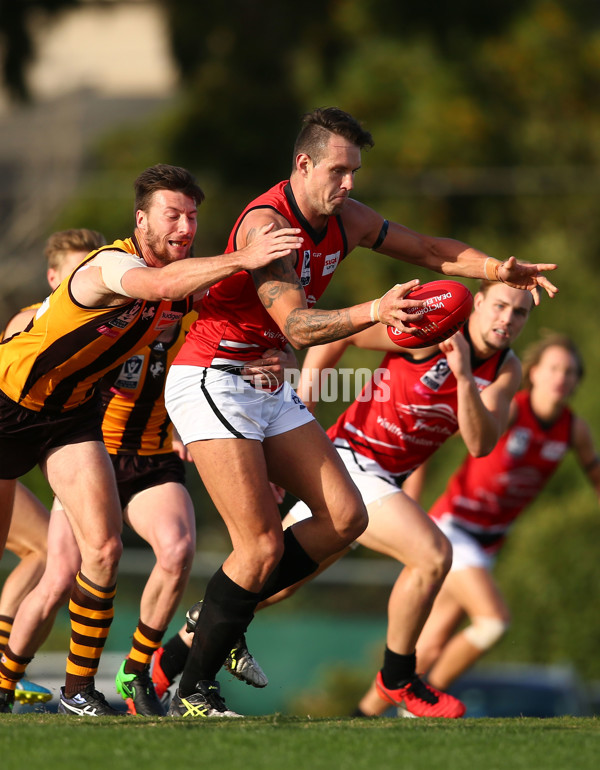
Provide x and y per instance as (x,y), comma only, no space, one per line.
(466,550)
(206,403)
(373,482)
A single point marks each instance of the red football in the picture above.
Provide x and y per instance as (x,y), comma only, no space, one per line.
(449,304)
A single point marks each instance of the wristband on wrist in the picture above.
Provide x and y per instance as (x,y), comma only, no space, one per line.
(491,269)
(375,311)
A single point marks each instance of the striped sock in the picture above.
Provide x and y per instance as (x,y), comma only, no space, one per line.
(91,612)
(6,625)
(12,668)
(145,642)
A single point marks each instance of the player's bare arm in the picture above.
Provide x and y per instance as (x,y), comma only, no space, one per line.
(585,451)
(442,255)
(91,285)
(483,416)
(19,322)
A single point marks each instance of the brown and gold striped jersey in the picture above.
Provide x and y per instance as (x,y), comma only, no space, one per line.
(55,364)
(133,397)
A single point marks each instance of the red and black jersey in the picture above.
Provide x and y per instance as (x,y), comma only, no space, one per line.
(232,324)
(408,409)
(486,494)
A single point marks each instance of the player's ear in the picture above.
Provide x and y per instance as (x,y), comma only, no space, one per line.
(303,163)
(52,277)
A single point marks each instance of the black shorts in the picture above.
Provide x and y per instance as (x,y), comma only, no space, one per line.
(26,436)
(135,473)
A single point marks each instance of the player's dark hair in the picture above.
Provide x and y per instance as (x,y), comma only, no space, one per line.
(549,339)
(165,177)
(59,244)
(317,127)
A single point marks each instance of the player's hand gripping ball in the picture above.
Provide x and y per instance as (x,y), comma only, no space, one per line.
(449,304)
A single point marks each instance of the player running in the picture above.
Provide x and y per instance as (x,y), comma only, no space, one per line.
(486,495)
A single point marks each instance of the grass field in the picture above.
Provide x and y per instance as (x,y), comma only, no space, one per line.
(292,743)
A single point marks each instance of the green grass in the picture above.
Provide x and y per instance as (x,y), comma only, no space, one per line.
(292,743)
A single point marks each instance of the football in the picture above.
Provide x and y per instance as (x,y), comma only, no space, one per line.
(449,304)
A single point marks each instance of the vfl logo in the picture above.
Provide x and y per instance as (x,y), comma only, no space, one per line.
(518,442)
(437,375)
(129,376)
(305,273)
(123,320)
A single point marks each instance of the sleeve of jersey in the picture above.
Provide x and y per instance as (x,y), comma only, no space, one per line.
(114,265)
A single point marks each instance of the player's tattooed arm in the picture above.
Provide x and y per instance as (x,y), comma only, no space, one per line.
(314,327)
(282,295)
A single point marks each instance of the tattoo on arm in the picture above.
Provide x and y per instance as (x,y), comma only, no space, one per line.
(275,279)
(314,327)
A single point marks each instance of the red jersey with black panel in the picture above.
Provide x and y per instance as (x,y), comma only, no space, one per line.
(487,494)
(408,409)
(232,324)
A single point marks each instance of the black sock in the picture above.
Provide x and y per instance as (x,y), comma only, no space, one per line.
(227,610)
(358,712)
(295,565)
(174,657)
(397,669)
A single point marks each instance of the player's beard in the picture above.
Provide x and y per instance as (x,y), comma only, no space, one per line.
(159,248)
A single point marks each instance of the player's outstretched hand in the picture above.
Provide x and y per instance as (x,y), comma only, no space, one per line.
(394,310)
(269,244)
(524,276)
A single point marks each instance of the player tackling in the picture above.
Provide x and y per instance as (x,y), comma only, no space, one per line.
(262,437)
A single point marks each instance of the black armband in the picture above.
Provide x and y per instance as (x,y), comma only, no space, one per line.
(381,236)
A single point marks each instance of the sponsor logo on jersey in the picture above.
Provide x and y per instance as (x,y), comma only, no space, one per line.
(129,377)
(330,263)
(553,450)
(518,442)
(481,383)
(305,273)
(167,318)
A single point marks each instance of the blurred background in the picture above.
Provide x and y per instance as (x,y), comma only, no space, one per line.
(486,122)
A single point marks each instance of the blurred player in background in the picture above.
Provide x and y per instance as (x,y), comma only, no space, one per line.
(27,535)
(487,494)
(415,401)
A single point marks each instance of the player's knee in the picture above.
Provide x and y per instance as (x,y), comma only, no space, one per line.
(106,556)
(176,555)
(436,560)
(267,551)
(484,632)
(351,521)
